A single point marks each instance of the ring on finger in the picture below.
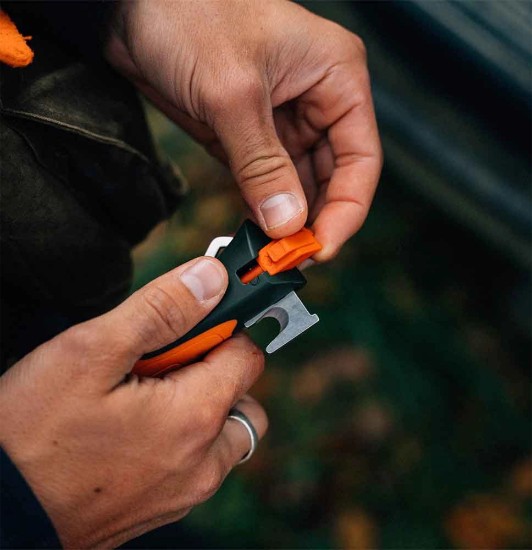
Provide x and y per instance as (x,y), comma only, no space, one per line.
(239,416)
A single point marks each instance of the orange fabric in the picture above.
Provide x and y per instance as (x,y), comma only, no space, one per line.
(284,254)
(13,48)
(185,353)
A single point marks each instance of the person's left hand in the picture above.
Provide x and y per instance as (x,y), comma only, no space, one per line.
(110,455)
(279,93)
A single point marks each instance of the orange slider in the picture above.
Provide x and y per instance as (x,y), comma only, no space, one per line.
(283,254)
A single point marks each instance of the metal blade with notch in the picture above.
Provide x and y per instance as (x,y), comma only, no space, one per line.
(293,317)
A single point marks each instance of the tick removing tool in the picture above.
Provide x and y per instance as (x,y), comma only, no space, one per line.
(263,278)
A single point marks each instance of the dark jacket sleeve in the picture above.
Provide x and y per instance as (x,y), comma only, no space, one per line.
(81,24)
(24,523)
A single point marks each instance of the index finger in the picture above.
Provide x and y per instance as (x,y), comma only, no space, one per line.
(341,104)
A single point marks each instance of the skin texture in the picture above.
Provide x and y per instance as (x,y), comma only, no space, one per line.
(279,94)
(283,97)
(110,455)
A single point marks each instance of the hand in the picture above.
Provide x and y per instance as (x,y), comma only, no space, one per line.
(280,94)
(110,455)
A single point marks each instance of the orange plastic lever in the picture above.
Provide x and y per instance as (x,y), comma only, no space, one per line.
(185,353)
(284,254)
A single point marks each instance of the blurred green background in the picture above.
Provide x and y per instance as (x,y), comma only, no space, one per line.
(401,420)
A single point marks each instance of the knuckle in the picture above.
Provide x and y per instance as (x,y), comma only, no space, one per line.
(247,85)
(232,389)
(246,367)
(258,361)
(209,481)
(78,337)
(347,41)
(360,97)
(75,340)
(85,349)
(214,99)
(250,367)
(359,46)
(270,166)
(209,421)
(166,314)
(80,341)
(182,514)
(235,87)
(352,43)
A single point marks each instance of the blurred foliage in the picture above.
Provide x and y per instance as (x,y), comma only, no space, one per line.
(402,420)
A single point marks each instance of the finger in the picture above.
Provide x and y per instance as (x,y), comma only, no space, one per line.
(342,103)
(305,172)
(224,376)
(225,450)
(234,441)
(262,167)
(349,193)
(154,316)
(294,130)
(323,162)
(323,166)
(298,139)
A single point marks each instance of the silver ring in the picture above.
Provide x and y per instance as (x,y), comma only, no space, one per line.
(239,416)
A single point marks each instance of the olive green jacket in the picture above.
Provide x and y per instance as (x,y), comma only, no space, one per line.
(80,184)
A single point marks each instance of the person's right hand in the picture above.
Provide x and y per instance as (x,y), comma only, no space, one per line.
(278,93)
(109,455)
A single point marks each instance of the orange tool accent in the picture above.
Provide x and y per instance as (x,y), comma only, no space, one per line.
(254,272)
(13,48)
(185,353)
(284,254)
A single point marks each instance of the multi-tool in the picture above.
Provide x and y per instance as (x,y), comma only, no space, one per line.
(263,279)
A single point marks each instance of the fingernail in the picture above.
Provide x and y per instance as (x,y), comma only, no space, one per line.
(204,280)
(279,209)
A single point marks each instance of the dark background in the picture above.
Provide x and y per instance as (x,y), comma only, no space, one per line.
(402,420)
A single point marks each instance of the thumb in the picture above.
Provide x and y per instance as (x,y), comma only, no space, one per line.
(260,164)
(154,316)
